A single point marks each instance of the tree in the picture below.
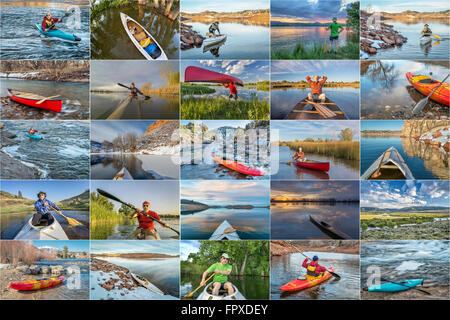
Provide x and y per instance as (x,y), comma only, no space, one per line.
(353,15)
(346,134)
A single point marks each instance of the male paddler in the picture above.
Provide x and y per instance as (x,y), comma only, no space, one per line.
(220,281)
(316,85)
(43,207)
(48,23)
(313,269)
(299,155)
(426,31)
(214,27)
(336,28)
(146,224)
(233,91)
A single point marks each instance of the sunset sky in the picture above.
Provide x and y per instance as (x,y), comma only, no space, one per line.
(314,190)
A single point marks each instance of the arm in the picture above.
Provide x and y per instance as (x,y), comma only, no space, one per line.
(319,268)
(37,206)
(305,263)
(204,275)
(53,205)
(324,79)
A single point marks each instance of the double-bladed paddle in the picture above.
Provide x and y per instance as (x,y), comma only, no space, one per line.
(68,13)
(403,285)
(138,91)
(422,103)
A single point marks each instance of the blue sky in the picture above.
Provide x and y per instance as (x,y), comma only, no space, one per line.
(162,195)
(403,5)
(170,247)
(339,190)
(106,74)
(56,190)
(401,194)
(187,247)
(193,6)
(381,125)
(226,192)
(72,245)
(297,70)
(292,130)
(109,130)
(246,70)
(215,124)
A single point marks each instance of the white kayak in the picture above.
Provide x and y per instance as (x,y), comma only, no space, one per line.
(52,231)
(225,232)
(223,294)
(142,39)
(425,40)
(123,174)
(146,284)
(214,39)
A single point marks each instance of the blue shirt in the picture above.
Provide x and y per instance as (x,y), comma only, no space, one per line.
(41,208)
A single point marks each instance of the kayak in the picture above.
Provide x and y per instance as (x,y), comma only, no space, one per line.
(50,231)
(123,174)
(328,229)
(58,34)
(305,110)
(303,283)
(146,284)
(196,74)
(223,294)
(36,284)
(425,85)
(214,39)
(33,136)
(238,167)
(425,40)
(142,39)
(396,286)
(315,165)
(223,232)
(389,166)
(31,100)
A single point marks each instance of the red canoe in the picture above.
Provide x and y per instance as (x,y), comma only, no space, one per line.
(36,284)
(31,99)
(315,165)
(196,74)
(239,167)
(425,85)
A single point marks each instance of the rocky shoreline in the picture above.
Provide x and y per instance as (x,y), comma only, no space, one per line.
(189,37)
(280,247)
(424,231)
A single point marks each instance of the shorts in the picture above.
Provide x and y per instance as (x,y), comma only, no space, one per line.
(222,285)
(231,96)
(334,38)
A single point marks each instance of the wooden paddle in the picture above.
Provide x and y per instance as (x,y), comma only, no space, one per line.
(227,231)
(47,98)
(401,284)
(145,97)
(110,196)
(323,110)
(422,103)
(72,222)
(189,295)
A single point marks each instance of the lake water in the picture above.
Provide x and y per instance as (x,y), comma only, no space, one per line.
(283,101)
(243,42)
(287,267)
(244,93)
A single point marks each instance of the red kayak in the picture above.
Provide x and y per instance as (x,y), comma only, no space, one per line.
(315,165)
(32,99)
(239,167)
(425,85)
(303,283)
(196,74)
(36,284)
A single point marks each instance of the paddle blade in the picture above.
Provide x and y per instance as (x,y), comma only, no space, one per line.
(73,222)
(420,105)
(108,195)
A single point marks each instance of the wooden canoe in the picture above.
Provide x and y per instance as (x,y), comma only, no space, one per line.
(389,166)
(305,110)
(32,99)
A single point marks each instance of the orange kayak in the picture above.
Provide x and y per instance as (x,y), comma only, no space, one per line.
(425,85)
(37,284)
(238,167)
(303,283)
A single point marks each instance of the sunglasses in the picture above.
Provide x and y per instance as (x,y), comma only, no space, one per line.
(146,205)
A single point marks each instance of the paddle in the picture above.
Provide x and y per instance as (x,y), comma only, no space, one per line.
(68,13)
(110,196)
(421,104)
(332,273)
(404,285)
(71,221)
(434,35)
(189,295)
(145,97)
(48,98)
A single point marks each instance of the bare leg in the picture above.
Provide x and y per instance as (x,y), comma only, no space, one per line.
(310,96)
(216,288)
(229,288)
(322,97)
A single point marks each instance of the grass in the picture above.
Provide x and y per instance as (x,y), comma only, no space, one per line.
(374,220)
(101,214)
(349,51)
(190,89)
(348,150)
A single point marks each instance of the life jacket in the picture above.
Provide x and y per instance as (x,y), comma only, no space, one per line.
(213,28)
(299,155)
(311,271)
(49,22)
(151,48)
(316,87)
(426,30)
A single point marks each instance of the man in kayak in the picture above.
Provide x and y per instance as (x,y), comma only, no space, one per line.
(336,28)
(214,27)
(49,23)
(233,91)
(146,224)
(43,207)
(134,91)
(220,281)
(313,269)
(32,132)
(426,31)
(299,155)
(316,85)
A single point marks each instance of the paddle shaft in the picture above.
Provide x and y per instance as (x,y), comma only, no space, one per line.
(71,221)
(122,85)
(65,15)
(404,285)
(421,104)
(192,293)
(110,196)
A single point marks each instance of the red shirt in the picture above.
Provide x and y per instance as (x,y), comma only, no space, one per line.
(48,22)
(318,267)
(299,155)
(146,222)
(316,87)
(232,88)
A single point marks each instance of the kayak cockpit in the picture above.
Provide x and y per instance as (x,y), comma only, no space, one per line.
(144,39)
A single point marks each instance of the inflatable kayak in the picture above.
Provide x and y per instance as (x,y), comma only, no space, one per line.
(238,167)
(58,34)
(37,284)
(32,99)
(396,286)
(303,283)
(425,85)
(33,136)
(123,174)
(196,74)
(315,165)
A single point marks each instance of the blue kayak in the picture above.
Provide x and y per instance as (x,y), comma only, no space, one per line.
(61,35)
(33,136)
(396,286)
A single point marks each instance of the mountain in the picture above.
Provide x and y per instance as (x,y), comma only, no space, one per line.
(79,202)
(405,209)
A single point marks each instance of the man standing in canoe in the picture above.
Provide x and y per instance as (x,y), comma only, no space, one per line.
(213,27)
(336,28)
(146,224)
(233,91)
(316,88)
(43,207)
(220,281)
(49,23)
(313,269)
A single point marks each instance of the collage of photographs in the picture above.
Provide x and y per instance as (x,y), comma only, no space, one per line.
(265,149)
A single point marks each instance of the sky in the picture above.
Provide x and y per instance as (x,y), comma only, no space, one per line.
(162,195)
(381,125)
(246,70)
(215,124)
(72,245)
(401,194)
(304,11)
(225,192)
(297,70)
(291,190)
(187,247)
(292,130)
(109,130)
(106,74)
(170,247)
(403,5)
(193,6)
(56,190)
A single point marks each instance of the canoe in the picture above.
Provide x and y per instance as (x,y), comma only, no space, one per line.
(33,136)
(390,165)
(146,284)
(31,99)
(321,175)
(52,231)
(425,40)
(58,34)
(312,164)
(326,228)
(221,233)
(238,167)
(305,110)
(142,39)
(196,74)
(303,283)
(123,174)
(425,85)
(223,294)
(36,284)
(214,39)
(396,286)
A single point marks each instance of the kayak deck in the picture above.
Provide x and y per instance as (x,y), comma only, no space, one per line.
(146,284)
(305,110)
(389,166)
(304,283)
(396,286)
(36,284)
(223,294)
(123,174)
(326,228)
(225,232)
(238,167)
(47,230)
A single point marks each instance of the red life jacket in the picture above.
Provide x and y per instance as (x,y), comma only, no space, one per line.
(316,87)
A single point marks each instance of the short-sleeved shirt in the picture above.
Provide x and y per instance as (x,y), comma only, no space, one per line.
(334,29)
(220,277)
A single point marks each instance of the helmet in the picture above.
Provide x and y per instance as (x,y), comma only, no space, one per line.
(315,258)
